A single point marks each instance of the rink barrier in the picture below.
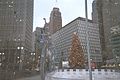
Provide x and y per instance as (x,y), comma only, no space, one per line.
(98,74)
(85,70)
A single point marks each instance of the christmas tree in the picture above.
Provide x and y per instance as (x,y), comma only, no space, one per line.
(76,56)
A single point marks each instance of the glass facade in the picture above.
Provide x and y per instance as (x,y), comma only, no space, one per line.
(115,40)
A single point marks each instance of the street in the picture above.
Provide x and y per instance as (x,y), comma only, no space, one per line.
(31,78)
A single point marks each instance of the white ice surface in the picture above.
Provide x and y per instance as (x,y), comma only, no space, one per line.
(83,75)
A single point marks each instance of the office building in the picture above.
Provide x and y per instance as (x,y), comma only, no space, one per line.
(55,22)
(115,40)
(16,25)
(62,40)
(107,14)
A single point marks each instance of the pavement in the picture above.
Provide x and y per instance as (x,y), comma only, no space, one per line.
(27,75)
(37,77)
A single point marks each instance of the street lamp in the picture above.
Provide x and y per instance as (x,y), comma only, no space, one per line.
(117,62)
(33,59)
(42,60)
(1,55)
(18,57)
(53,63)
(87,37)
(32,53)
(39,57)
(21,58)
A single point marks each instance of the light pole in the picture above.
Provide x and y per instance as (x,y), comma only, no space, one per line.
(38,64)
(21,57)
(33,59)
(53,63)
(43,57)
(61,64)
(1,59)
(116,59)
(117,62)
(96,65)
(87,37)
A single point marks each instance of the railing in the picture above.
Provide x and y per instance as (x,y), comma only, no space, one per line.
(79,70)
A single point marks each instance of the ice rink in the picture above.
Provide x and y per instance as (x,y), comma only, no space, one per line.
(82,74)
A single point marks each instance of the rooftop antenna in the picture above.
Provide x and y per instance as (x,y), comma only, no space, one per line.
(56,3)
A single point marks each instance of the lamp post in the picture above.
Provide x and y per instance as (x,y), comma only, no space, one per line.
(33,59)
(87,37)
(53,63)
(116,62)
(43,64)
(38,64)
(116,59)
(61,64)
(42,60)
(1,59)
(44,43)
(21,58)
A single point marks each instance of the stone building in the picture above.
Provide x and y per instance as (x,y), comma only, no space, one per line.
(107,14)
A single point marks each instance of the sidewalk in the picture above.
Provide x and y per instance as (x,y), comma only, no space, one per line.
(31,78)
(25,74)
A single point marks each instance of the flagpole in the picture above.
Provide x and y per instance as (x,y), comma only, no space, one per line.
(87,37)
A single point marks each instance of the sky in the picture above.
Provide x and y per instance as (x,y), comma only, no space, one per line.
(70,9)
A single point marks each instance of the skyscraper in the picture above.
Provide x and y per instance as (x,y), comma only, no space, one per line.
(16,25)
(55,23)
(107,14)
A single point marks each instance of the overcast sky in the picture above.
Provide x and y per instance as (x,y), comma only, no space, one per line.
(70,10)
